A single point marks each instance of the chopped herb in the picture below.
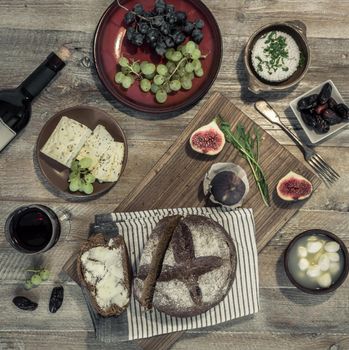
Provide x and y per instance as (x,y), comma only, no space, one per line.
(301,60)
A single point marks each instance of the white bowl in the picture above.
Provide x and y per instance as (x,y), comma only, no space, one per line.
(312,135)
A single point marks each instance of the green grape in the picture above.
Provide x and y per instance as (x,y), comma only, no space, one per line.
(148,68)
(73,175)
(125,70)
(127,82)
(159,79)
(196,64)
(161,96)
(162,69)
(136,67)
(89,178)
(36,279)
(87,188)
(28,284)
(169,53)
(167,88)
(175,85)
(180,47)
(119,77)
(181,72)
(176,56)
(186,83)
(196,54)
(154,88)
(191,75)
(74,184)
(85,162)
(145,85)
(149,76)
(44,274)
(189,67)
(75,165)
(199,72)
(170,65)
(123,61)
(190,47)
(176,76)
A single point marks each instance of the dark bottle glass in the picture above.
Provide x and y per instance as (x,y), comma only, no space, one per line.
(15,104)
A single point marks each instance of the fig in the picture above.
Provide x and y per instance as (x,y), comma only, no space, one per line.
(227,185)
(294,187)
(209,139)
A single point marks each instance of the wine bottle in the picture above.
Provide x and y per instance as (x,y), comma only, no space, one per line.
(15,104)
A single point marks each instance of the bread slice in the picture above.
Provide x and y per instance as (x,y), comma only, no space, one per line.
(104,269)
(165,227)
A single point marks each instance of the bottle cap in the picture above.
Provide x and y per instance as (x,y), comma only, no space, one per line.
(54,62)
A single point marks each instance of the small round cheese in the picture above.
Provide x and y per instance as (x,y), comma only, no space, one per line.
(314,271)
(324,262)
(334,257)
(303,264)
(302,252)
(334,268)
(314,246)
(324,280)
(332,247)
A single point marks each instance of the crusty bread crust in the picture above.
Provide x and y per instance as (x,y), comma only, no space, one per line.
(99,240)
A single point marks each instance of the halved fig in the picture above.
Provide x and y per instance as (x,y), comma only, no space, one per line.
(294,187)
(209,139)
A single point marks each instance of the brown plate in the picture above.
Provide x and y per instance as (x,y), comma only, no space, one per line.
(110,43)
(57,174)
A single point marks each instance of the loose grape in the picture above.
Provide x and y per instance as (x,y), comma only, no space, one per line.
(196,64)
(44,274)
(177,56)
(85,162)
(199,72)
(148,68)
(89,178)
(28,284)
(159,79)
(127,82)
(196,54)
(186,83)
(87,188)
(189,67)
(154,88)
(162,69)
(175,85)
(136,67)
(73,175)
(36,279)
(145,85)
(119,77)
(123,61)
(161,96)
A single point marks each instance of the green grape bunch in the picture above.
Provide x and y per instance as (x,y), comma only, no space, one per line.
(38,276)
(80,177)
(182,66)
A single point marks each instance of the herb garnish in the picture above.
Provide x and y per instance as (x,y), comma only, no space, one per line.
(248,145)
(276,51)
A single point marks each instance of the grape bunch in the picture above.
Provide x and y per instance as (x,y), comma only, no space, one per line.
(37,278)
(182,66)
(161,28)
(80,177)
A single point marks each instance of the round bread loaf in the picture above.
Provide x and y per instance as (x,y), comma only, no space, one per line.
(198,267)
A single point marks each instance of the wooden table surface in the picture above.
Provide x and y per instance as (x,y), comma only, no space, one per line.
(288,319)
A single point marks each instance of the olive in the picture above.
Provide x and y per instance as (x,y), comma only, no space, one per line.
(308,118)
(24,303)
(325,93)
(342,110)
(56,299)
(307,102)
(331,116)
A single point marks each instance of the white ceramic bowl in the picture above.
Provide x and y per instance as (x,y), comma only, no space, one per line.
(312,135)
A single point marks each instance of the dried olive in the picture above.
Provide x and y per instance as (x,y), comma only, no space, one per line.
(332,103)
(307,102)
(342,110)
(325,93)
(56,299)
(331,117)
(24,303)
(322,126)
(308,118)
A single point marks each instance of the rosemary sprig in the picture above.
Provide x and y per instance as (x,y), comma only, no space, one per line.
(248,145)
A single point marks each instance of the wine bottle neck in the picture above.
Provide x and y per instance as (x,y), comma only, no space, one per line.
(40,78)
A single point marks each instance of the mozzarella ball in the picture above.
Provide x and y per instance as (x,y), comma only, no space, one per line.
(302,252)
(314,247)
(332,247)
(334,268)
(324,262)
(334,257)
(303,264)
(324,280)
(314,271)
(312,238)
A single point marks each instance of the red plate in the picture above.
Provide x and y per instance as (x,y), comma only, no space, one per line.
(110,43)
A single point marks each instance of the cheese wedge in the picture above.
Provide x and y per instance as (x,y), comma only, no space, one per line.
(96,145)
(66,141)
(109,166)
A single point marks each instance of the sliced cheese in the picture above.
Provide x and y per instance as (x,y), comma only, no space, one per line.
(66,141)
(109,166)
(96,145)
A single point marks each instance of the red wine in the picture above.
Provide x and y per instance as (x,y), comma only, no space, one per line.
(15,104)
(33,229)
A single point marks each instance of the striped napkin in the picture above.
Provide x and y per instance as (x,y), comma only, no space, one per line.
(136,227)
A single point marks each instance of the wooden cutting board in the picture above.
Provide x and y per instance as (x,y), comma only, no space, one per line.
(176,181)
